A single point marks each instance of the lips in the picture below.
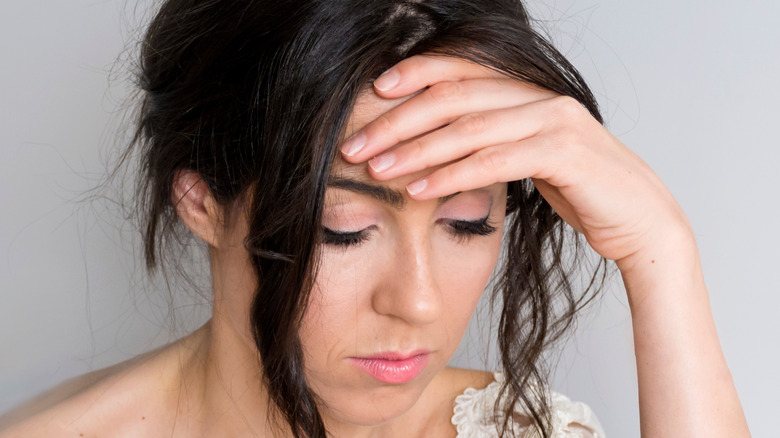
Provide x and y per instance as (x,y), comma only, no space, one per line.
(391,367)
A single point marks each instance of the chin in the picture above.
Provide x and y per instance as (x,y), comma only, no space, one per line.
(371,408)
(370,403)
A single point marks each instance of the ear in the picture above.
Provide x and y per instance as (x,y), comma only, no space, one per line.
(195,206)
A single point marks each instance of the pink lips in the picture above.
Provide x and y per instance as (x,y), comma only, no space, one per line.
(393,367)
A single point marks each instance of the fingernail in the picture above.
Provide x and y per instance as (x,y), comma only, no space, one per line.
(417,186)
(387,80)
(354,144)
(382,162)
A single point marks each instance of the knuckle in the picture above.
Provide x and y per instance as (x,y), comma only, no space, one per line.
(567,107)
(418,61)
(446,173)
(565,146)
(453,176)
(384,122)
(549,144)
(445,91)
(473,123)
(384,125)
(569,151)
(418,150)
(566,137)
(489,160)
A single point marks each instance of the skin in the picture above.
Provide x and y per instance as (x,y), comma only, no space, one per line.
(209,384)
(509,131)
(444,126)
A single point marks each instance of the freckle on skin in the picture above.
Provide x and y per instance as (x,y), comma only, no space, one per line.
(143,418)
(652,261)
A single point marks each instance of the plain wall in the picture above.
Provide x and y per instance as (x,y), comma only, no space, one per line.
(690,86)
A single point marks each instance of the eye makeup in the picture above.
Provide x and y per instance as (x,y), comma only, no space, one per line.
(474,206)
(344,238)
(463,216)
(464,230)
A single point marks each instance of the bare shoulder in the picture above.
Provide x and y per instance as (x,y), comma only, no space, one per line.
(125,399)
(459,379)
(452,382)
(439,398)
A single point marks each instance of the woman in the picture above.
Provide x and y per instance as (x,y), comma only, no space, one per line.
(341,288)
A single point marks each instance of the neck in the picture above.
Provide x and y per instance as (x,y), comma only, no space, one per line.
(221,390)
(224,387)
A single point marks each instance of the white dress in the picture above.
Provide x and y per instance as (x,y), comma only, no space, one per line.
(474,417)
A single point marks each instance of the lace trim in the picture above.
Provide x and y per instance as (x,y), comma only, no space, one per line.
(474,418)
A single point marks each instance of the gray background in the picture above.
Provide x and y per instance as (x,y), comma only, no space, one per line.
(690,86)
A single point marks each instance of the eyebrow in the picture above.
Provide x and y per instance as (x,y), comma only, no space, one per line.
(386,195)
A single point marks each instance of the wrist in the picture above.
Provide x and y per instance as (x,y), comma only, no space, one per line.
(669,263)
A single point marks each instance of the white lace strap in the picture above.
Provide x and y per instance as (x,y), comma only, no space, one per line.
(473,415)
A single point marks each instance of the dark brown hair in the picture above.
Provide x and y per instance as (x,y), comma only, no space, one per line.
(254,96)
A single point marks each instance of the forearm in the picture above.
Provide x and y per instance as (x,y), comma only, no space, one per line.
(685,387)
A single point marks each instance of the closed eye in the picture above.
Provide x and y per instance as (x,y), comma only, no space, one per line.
(344,239)
(465,230)
(460,229)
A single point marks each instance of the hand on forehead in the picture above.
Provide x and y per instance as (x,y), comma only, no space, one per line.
(368,108)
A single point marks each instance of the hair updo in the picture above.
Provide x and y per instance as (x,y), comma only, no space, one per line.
(254,96)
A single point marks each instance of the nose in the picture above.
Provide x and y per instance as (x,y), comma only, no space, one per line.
(410,290)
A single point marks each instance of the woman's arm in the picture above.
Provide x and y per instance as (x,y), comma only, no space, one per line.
(477,128)
(685,387)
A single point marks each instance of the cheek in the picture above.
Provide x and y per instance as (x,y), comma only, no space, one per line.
(463,272)
(333,310)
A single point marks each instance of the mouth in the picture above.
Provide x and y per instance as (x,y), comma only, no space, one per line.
(392,367)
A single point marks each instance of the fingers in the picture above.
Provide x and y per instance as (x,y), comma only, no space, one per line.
(462,137)
(439,105)
(481,125)
(550,140)
(500,163)
(417,72)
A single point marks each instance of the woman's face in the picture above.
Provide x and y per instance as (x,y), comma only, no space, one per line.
(397,284)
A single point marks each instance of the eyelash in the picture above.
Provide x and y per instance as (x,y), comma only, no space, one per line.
(462,230)
(343,239)
(465,230)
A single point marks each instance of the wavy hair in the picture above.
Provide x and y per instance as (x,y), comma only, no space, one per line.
(254,96)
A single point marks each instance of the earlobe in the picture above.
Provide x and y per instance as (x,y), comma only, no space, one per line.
(195,205)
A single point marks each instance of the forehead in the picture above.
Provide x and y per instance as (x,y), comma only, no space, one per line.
(355,176)
(368,107)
